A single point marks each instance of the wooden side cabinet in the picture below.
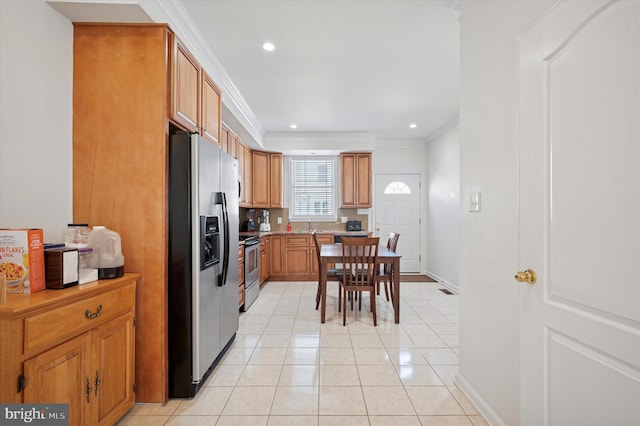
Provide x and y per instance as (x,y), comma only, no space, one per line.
(73,346)
(356,179)
(240,275)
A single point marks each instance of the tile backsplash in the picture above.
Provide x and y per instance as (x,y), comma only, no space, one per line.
(274,214)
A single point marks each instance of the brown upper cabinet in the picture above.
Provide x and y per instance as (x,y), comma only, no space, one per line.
(211,103)
(186,88)
(246,195)
(233,145)
(195,98)
(356,179)
(224,137)
(275,178)
(267,179)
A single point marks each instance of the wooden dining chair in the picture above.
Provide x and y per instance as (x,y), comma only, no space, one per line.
(331,272)
(360,264)
(384,272)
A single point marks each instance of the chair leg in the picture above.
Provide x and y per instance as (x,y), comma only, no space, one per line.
(373,307)
(340,297)
(318,296)
(386,289)
(344,308)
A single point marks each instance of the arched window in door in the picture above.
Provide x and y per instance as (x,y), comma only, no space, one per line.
(397,188)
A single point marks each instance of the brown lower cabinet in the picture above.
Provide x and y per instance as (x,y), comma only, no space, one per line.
(295,257)
(240,275)
(74,346)
(265,255)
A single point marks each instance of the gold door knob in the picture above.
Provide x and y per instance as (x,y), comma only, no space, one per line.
(528,276)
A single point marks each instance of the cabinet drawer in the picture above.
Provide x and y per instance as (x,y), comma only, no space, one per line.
(297,240)
(325,239)
(67,321)
(241,252)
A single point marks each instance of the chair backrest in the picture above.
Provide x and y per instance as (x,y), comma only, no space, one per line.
(392,243)
(360,260)
(393,239)
(315,242)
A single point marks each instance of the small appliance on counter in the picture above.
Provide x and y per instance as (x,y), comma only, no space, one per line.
(61,267)
(249,225)
(107,252)
(265,226)
(354,225)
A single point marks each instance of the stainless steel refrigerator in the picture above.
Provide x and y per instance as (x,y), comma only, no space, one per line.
(203,261)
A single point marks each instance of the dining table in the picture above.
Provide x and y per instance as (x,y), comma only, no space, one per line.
(332,253)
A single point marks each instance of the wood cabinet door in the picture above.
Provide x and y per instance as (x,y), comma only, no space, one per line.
(224,138)
(240,157)
(267,261)
(277,255)
(210,109)
(275,180)
(64,375)
(114,377)
(264,259)
(348,162)
(363,180)
(356,179)
(186,88)
(247,191)
(297,261)
(261,183)
(232,147)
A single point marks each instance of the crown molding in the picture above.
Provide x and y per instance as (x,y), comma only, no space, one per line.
(455,121)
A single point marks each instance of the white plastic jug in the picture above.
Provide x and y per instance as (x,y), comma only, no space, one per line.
(107,252)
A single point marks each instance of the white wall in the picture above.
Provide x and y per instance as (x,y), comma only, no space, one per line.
(443,206)
(489,297)
(36,80)
(403,156)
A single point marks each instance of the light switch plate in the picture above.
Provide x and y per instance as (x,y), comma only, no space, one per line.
(344,219)
(474,202)
(279,221)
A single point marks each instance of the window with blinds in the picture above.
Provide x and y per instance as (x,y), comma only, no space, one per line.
(313,188)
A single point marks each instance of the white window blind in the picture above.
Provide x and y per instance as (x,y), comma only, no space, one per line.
(313,188)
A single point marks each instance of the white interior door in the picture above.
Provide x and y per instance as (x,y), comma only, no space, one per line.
(398,210)
(580,215)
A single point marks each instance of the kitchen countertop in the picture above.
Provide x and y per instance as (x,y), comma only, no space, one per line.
(332,232)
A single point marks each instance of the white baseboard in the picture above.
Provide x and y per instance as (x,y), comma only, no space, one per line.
(450,286)
(481,405)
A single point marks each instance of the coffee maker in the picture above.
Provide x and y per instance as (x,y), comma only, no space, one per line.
(249,225)
(265,226)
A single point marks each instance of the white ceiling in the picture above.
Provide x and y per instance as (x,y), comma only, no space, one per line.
(366,66)
(342,69)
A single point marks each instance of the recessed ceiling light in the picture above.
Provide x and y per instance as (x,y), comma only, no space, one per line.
(268,46)
(413,125)
(293,126)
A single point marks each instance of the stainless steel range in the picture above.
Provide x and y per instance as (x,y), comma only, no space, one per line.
(251,270)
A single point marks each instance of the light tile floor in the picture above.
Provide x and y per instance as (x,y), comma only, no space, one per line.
(285,368)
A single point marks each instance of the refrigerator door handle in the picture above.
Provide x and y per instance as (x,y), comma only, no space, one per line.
(221,198)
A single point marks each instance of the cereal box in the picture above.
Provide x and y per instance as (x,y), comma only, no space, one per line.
(22,259)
